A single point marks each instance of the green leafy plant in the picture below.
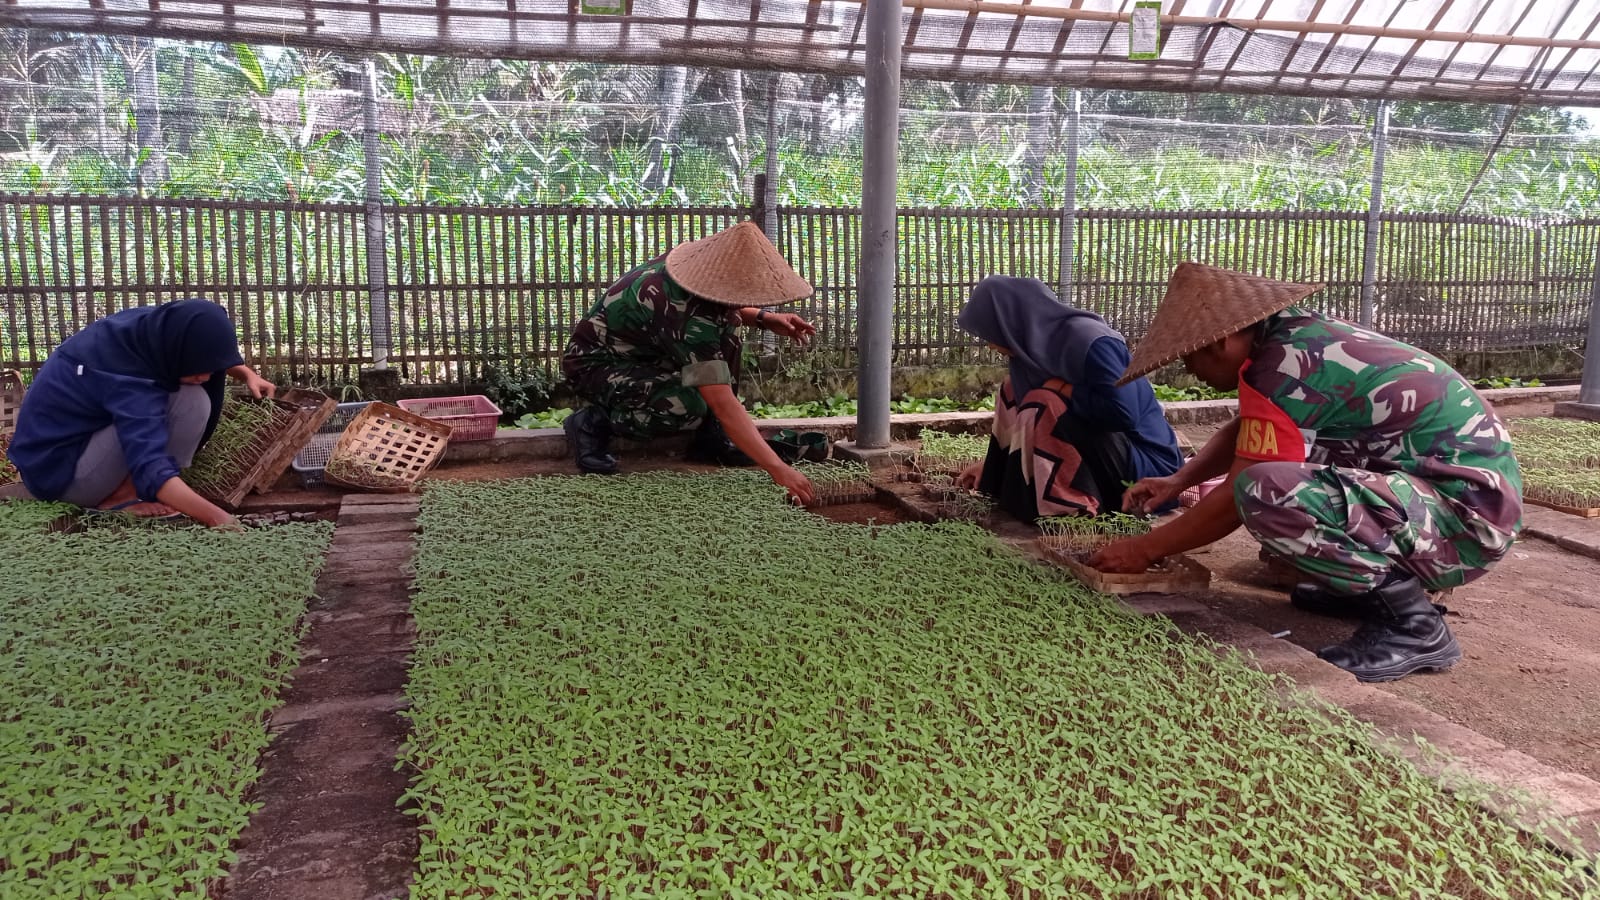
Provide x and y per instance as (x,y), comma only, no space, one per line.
(1166,393)
(1501,381)
(550,418)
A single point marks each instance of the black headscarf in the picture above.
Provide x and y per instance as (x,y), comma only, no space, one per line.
(1046,338)
(163,344)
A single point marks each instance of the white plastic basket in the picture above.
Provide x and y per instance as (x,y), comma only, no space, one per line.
(313,457)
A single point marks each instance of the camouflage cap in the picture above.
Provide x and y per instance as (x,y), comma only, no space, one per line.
(1204,304)
(737,266)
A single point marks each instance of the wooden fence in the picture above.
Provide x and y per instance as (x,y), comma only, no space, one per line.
(470,287)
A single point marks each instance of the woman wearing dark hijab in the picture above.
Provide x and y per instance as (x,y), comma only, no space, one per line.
(1066,440)
(119,409)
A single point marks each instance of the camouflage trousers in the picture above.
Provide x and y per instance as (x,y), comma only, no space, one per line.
(1347,528)
(641,402)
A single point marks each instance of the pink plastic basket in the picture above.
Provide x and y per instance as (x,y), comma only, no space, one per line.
(1191,496)
(471,418)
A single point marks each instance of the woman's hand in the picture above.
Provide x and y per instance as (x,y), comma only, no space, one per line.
(1129,556)
(257,386)
(970,476)
(790,326)
(798,485)
(1147,494)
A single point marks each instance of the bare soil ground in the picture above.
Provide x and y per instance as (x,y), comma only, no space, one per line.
(1530,676)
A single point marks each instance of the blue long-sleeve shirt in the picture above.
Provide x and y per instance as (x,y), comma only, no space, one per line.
(67,403)
(1098,404)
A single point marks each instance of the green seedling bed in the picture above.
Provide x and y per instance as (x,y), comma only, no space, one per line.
(669,685)
(140,667)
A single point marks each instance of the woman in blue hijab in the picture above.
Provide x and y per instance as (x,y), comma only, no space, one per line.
(1066,439)
(119,409)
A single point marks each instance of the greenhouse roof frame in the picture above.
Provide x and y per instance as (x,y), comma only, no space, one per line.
(1497,51)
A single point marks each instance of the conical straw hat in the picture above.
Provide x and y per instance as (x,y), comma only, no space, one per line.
(737,267)
(1205,304)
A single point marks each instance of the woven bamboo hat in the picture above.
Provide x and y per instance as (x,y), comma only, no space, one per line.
(1205,304)
(737,267)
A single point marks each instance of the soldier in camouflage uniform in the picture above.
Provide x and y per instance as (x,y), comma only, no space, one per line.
(659,353)
(1371,466)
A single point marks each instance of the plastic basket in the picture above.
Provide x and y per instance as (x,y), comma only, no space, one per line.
(313,457)
(385,448)
(11,391)
(471,418)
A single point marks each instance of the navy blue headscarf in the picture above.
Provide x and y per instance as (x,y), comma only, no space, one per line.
(1046,338)
(163,344)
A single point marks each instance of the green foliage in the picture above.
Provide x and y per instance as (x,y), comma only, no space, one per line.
(1166,393)
(550,418)
(517,393)
(843,405)
(706,693)
(1501,381)
(140,667)
(19,518)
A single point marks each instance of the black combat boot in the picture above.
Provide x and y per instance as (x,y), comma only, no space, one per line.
(589,438)
(1406,633)
(711,445)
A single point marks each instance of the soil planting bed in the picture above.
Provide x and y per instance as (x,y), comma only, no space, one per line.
(871,512)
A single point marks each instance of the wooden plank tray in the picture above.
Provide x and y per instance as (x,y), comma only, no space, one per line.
(1173,575)
(1586,512)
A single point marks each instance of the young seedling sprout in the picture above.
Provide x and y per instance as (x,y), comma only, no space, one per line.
(243,431)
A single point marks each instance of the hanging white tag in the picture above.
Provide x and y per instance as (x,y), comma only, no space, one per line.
(1144,30)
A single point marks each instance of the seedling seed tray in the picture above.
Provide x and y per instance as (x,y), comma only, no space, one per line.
(1172,575)
(386,449)
(836,484)
(1586,512)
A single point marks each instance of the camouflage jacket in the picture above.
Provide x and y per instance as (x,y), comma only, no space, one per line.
(646,321)
(1320,390)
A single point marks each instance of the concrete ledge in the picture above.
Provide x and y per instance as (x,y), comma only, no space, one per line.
(1570,533)
(1572,409)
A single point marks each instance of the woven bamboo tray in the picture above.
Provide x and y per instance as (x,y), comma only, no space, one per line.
(386,449)
(1173,575)
(309,409)
(250,460)
(11,391)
